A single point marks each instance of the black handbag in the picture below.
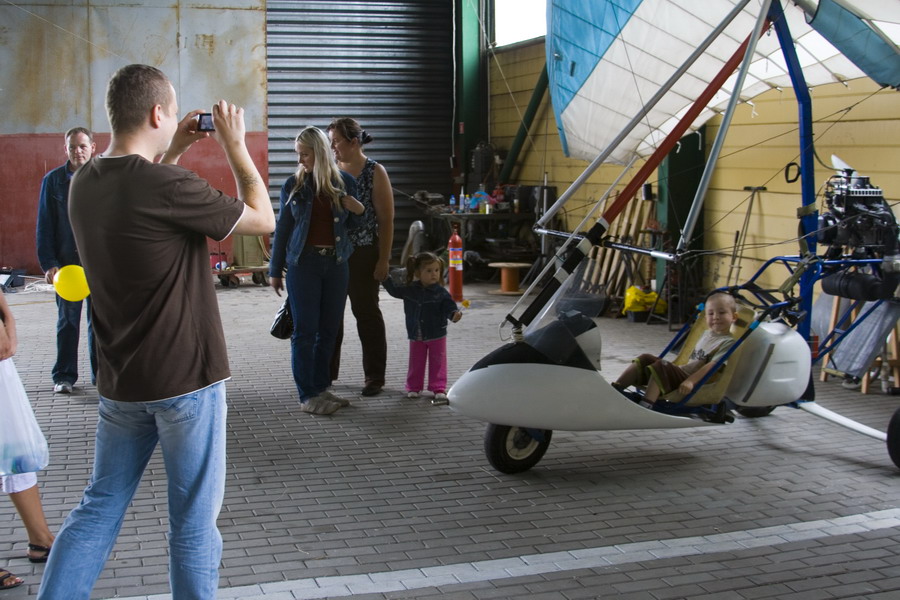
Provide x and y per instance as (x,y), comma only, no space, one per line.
(283,325)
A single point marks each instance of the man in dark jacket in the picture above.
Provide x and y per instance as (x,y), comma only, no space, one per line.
(56,249)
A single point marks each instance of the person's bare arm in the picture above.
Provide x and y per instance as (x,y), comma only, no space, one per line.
(687,386)
(230,133)
(8,339)
(383,201)
(258,217)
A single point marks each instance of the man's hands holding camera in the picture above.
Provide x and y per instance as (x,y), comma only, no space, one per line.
(228,129)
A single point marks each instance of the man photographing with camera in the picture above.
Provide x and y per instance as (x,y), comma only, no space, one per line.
(141,230)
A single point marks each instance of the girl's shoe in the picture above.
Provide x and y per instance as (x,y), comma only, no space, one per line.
(412,395)
(439,399)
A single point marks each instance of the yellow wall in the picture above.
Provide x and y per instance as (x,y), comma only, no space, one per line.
(513,75)
(857,122)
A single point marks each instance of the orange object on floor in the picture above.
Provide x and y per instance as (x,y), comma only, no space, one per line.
(509,277)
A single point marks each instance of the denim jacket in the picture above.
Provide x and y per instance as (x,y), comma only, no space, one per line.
(293,225)
(55,240)
(427,308)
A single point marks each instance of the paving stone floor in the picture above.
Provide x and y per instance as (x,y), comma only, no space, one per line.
(393,498)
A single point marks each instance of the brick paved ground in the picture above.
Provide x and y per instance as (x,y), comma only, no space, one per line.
(393,498)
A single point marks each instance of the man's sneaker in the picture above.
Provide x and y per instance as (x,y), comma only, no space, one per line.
(342,402)
(63,387)
(412,395)
(319,405)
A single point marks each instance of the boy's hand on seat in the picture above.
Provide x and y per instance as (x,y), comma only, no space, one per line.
(686,387)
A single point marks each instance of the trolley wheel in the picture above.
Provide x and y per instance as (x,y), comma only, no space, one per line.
(754,412)
(229,281)
(893,438)
(260,278)
(512,449)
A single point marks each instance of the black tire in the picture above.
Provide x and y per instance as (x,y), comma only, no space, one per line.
(754,412)
(512,449)
(260,278)
(893,438)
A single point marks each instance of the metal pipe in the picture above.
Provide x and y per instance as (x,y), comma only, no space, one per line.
(697,205)
(698,52)
(828,415)
(807,159)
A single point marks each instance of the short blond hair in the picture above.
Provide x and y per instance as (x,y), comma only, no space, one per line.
(725,297)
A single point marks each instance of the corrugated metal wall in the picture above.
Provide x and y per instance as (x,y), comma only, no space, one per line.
(388,64)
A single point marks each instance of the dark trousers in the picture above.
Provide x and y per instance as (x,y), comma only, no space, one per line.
(363,292)
(68,329)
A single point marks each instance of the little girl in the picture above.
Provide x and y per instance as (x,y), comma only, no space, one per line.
(428,306)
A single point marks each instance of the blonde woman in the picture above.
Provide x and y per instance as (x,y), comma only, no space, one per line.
(318,207)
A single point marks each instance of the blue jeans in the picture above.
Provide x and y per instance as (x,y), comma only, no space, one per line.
(317,291)
(191,431)
(68,326)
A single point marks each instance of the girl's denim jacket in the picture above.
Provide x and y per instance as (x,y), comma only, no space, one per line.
(427,308)
(293,224)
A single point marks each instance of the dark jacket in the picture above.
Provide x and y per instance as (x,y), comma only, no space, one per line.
(427,308)
(55,241)
(293,224)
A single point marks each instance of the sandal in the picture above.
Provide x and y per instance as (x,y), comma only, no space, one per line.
(6,576)
(41,558)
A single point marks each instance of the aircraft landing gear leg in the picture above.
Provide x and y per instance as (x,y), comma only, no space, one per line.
(893,438)
(512,449)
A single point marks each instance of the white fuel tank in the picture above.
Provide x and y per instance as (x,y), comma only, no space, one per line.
(773,367)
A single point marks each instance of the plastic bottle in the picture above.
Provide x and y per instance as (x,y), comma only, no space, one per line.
(455,275)
(452,203)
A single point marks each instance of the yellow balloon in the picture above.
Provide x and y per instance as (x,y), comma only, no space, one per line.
(71,284)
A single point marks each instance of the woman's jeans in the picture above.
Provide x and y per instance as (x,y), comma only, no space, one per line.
(317,291)
(190,429)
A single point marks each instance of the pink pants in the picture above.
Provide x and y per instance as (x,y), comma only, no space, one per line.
(434,352)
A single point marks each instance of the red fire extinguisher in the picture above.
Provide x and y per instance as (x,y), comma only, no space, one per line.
(455,276)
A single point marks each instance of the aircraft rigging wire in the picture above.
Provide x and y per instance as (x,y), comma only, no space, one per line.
(843,112)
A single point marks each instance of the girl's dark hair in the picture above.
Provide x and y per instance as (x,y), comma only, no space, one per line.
(350,129)
(414,263)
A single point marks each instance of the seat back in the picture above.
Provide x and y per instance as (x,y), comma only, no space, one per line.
(713,391)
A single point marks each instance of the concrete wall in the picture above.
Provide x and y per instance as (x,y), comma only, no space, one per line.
(58,56)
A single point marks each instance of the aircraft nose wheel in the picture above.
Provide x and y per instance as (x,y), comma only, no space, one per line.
(893,438)
(512,449)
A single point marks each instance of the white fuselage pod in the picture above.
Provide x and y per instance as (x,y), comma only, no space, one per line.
(545,396)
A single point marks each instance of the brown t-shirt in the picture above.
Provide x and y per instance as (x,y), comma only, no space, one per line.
(141,231)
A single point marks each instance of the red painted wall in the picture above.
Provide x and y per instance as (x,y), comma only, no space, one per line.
(28,157)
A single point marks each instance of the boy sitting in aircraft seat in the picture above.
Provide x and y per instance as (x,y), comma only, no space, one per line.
(662,377)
